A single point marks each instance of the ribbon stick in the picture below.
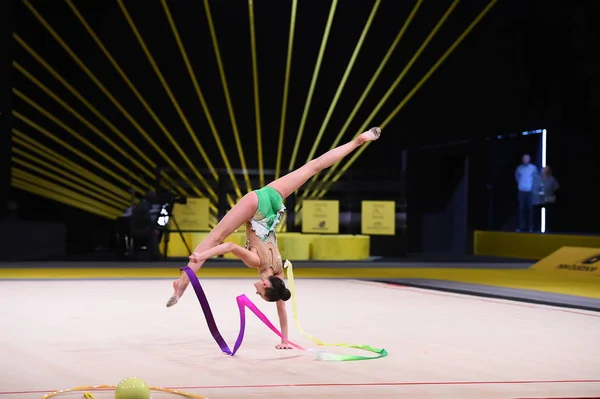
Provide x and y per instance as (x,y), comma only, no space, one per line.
(324,355)
(244,302)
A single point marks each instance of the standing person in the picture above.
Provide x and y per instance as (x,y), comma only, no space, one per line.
(526,174)
(545,192)
(261,211)
(143,223)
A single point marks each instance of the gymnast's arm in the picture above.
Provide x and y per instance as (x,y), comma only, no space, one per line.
(250,258)
(283,323)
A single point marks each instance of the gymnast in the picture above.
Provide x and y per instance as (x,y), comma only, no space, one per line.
(261,211)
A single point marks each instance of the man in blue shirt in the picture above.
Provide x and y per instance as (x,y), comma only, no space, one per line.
(526,176)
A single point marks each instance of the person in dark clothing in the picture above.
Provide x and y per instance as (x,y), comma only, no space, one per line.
(143,224)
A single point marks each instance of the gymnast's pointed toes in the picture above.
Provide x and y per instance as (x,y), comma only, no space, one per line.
(376,132)
(172,301)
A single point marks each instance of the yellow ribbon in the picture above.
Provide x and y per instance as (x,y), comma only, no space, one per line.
(292,285)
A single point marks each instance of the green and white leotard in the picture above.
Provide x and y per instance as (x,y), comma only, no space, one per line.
(269,212)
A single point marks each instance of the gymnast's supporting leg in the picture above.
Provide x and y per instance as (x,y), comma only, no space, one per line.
(238,215)
(246,208)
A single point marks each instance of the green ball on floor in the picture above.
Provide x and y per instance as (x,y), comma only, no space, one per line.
(132,388)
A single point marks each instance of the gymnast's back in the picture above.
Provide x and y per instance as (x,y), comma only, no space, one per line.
(267,251)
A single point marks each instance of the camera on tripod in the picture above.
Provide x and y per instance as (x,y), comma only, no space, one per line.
(166,201)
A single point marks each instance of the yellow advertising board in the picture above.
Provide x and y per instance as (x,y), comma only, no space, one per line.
(583,260)
(320,216)
(378,217)
(191,216)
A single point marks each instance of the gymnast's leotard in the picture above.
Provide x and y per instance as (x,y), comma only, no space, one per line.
(269,212)
(260,230)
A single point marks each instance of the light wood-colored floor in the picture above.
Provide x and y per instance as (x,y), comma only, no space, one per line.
(61,334)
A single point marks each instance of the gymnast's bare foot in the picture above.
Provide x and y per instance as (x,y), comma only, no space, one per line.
(370,135)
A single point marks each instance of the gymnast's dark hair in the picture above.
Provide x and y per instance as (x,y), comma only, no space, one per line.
(277,290)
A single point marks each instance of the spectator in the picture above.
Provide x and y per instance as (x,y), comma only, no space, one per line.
(526,175)
(143,225)
(545,189)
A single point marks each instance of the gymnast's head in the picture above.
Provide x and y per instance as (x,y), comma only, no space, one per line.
(272,290)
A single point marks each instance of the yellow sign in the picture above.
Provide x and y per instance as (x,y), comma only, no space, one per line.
(378,217)
(320,216)
(574,259)
(191,216)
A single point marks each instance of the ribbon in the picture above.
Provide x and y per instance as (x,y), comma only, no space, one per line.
(324,355)
(244,302)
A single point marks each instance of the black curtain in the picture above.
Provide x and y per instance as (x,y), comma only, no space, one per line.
(5,102)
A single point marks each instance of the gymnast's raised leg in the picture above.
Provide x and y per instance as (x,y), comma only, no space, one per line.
(246,208)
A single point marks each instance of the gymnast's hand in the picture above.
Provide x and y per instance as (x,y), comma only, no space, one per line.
(284,345)
(194,257)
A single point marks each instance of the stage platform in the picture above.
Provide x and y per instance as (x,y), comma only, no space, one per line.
(532,246)
(521,281)
(298,246)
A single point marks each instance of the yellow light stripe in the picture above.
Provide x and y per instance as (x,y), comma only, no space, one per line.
(44,168)
(132,87)
(412,92)
(175,103)
(99,84)
(390,90)
(365,93)
(342,83)
(81,139)
(66,180)
(32,188)
(439,62)
(61,190)
(202,100)
(259,148)
(21,139)
(90,126)
(74,150)
(313,83)
(286,88)
(223,76)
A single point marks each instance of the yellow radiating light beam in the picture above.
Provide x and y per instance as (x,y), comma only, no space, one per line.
(342,83)
(413,91)
(66,145)
(438,63)
(391,89)
(180,112)
(366,92)
(79,137)
(202,100)
(75,93)
(44,168)
(223,76)
(313,83)
(135,91)
(59,197)
(89,125)
(61,190)
(113,191)
(259,148)
(286,86)
(99,84)
(54,173)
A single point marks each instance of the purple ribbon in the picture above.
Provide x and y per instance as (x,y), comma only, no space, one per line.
(243,302)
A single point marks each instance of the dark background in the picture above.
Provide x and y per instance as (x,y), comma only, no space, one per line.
(529,64)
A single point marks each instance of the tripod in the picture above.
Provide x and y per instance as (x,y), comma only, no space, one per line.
(168,233)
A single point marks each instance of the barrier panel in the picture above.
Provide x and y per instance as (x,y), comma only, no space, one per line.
(582,260)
